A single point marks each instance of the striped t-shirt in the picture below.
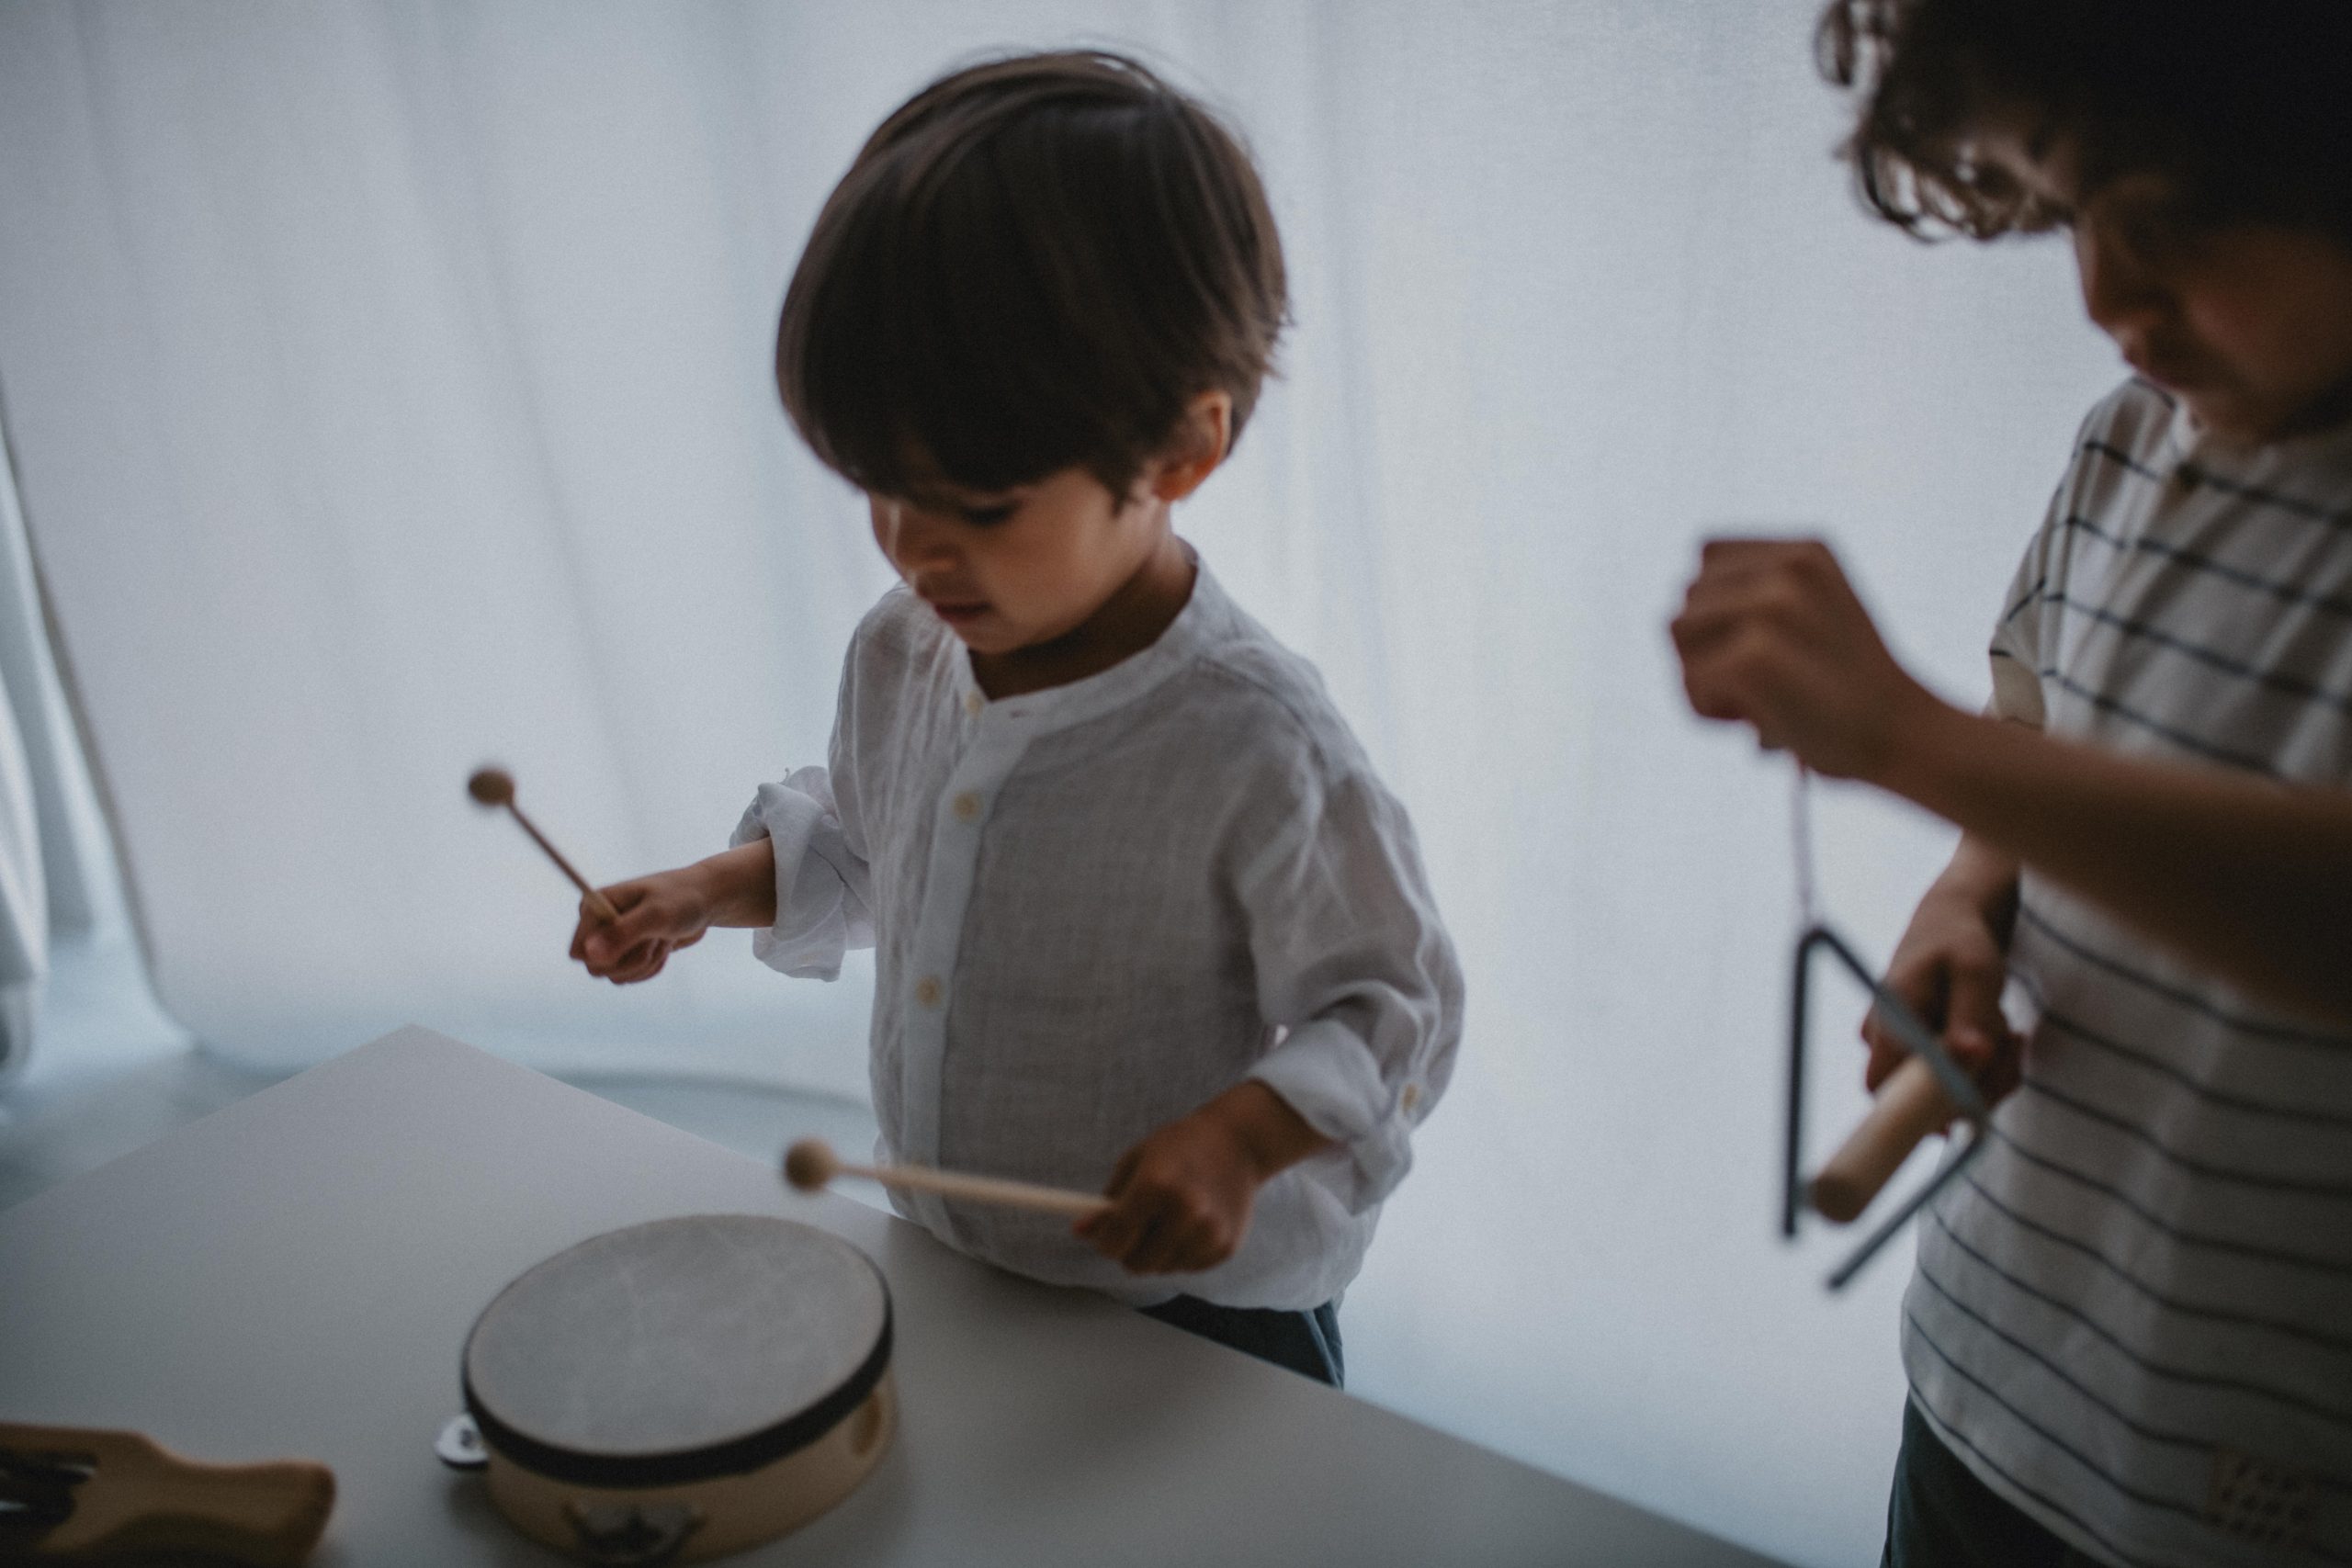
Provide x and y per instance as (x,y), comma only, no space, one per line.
(2132,1317)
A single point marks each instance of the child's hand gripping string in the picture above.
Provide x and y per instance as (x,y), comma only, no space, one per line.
(2245,878)
(1181,1198)
(1772,635)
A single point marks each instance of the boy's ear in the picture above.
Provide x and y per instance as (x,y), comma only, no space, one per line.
(1201,444)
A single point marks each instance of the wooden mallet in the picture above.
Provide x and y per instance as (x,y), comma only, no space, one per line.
(1911,1105)
(494,787)
(810,1164)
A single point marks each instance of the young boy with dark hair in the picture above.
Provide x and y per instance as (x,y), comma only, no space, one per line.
(1145,919)
(2128,1336)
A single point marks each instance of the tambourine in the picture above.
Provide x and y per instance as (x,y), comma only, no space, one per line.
(679,1390)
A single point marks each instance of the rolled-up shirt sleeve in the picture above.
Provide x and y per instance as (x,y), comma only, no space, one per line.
(824,902)
(1355,964)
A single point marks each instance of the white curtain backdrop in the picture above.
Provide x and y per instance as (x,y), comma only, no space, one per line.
(390,386)
(24,883)
(56,882)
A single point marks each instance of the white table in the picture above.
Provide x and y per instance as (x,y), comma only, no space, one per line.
(295,1275)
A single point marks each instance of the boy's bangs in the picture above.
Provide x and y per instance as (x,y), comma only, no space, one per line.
(948,345)
(1035,265)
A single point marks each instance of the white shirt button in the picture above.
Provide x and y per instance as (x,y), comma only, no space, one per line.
(974,703)
(967,807)
(928,991)
(1411,1098)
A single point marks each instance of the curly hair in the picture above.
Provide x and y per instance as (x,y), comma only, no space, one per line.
(1035,263)
(2240,106)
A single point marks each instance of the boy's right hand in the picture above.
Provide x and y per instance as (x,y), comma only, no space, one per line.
(659,914)
(1949,968)
(1772,635)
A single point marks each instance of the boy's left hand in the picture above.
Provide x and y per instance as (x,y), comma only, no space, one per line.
(1181,1198)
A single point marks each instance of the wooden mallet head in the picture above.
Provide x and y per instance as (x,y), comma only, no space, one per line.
(810,1164)
(492,786)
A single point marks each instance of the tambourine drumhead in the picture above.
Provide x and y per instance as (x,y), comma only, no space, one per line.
(678,1350)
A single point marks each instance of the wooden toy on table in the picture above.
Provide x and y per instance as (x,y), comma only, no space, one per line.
(73,1495)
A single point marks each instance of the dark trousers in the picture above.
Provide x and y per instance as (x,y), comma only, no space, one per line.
(1940,1516)
(1306,1342)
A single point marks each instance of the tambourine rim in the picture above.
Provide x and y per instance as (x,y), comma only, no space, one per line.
(732,1455)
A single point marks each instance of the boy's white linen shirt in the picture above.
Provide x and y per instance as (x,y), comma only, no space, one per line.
(1100,906)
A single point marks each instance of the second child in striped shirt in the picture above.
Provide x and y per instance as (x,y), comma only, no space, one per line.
(2129,1336)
